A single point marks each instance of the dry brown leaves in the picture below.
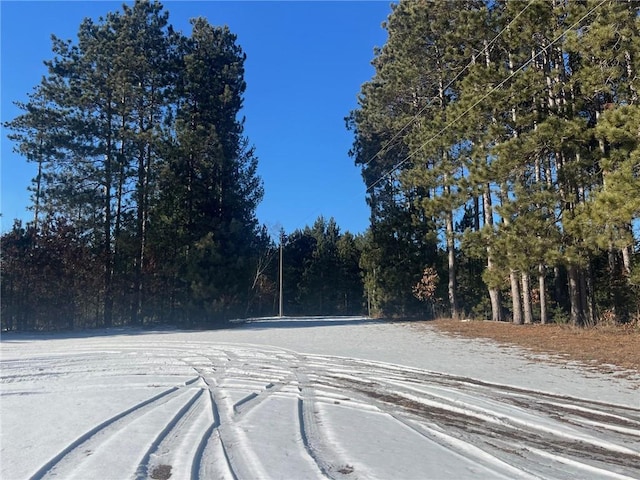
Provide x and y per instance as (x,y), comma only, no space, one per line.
(602,347)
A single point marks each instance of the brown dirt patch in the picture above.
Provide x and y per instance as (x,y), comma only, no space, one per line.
(161,472)
(601,347)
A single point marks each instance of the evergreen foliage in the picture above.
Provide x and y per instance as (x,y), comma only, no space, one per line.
(499,142)
(520,120)
(321,271)
(145,179)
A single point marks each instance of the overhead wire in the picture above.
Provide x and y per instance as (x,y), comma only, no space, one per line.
(500,85)
(451,123)
(430,102)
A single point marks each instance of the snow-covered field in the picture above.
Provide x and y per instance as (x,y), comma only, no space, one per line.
(305,399)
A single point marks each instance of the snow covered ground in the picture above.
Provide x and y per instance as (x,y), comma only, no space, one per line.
(306,398)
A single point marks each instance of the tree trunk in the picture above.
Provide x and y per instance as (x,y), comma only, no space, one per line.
(476,213)
(526,299)
(107,250)
(36,207)
(453,301)
(119,198)
(543,297)
(626,259)
(576,296)
(558,287)
(627,253)
(496,303)
(140,227)
(144,171)
(120,189)
(587,298)
(494,292)
(515,297)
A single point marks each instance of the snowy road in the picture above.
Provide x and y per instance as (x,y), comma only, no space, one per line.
(262,401)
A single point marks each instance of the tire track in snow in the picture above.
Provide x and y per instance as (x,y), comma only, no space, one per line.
(513,432)
(112,423)
(241,460)
(211,439)
(493,466)
(500,413)
(328,461)
(498,427)
(223,435)
(176,431)
(254,399)
(503,438)
(271,379)
(528,428)
(498,467)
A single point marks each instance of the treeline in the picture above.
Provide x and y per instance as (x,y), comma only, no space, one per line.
(52,279)
(321,271)
(145,197)
(144,201)
(499,142)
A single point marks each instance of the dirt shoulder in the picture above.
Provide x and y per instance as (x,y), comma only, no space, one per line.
(598,347)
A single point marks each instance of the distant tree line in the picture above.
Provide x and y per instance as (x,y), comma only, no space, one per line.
(321,271)
(144,201)
(146,190)
(499,143)
(500,146)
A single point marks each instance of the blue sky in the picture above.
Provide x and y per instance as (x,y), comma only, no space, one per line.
(306,61)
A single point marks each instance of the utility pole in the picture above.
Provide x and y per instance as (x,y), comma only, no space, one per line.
(281,310)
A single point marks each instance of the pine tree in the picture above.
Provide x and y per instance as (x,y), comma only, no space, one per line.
(402,238)
(350,289)
(137,134)
(517,115)
(209,188)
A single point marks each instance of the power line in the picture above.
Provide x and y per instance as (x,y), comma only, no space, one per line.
(417,115)
(429,103)
(451,123)
(500,85)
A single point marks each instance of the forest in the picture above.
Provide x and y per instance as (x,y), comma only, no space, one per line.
(499,143)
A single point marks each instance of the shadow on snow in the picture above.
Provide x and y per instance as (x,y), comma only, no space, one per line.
(266,323)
